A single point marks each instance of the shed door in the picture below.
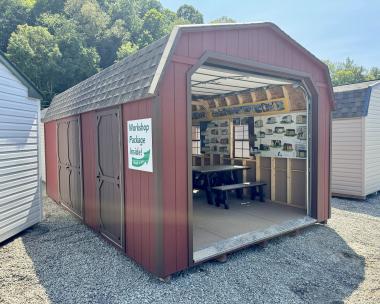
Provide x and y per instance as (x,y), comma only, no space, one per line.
(109,175)
(69,165)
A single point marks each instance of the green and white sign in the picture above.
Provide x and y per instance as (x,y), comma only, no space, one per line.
(140,145)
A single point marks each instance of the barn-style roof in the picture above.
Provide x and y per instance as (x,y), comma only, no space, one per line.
(137,76)
(352,100)
(126,80)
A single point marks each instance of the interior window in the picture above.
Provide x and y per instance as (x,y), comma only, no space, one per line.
(241,141)
(196,140)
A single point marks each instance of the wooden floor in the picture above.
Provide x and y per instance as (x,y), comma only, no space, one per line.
(213,224)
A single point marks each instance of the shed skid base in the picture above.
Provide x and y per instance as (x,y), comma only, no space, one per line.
(223,247)
(263,244)
(222,259)
(166,279)
(295,232)
(357,197)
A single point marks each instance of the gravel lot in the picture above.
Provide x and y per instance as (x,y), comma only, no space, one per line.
(62,261)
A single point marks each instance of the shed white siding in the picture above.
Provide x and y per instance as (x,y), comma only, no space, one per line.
(347,176)
(372,143)
(20,199)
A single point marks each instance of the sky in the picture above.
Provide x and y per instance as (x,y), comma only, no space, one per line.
(333,30)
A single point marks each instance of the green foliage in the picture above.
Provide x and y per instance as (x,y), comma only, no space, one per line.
(36,52)
(146,5)
(47,6)
(128,11)
(89,17)
(223,19)
(153,27)
(347,72)
(126,49)
(189,13)
(110,41)
(61,42)
(157,24)
(13,13)
(77,61)
(373,74)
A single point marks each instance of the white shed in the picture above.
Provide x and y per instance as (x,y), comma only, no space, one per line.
(20,174)
(356,140)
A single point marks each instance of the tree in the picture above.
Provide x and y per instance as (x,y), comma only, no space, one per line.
(13,13)
(110,41)
(223,19)
(77,61)
(154,26)
(80,37)
(374,73)
(127,10)
(146,5)
(189,13)
(34,50)
(47,6)
(348,72)
(89,17)
(125,50)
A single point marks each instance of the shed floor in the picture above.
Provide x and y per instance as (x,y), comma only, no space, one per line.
(217,230)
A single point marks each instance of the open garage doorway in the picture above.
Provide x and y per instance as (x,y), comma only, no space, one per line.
(250,162)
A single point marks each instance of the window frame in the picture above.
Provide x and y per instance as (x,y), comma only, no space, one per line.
(196,140)
(244,139)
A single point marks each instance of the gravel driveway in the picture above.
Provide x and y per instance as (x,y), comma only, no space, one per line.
(62,261)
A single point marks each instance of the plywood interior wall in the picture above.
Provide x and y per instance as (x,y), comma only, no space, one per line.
(298,183)
(285,179)
(279,189)
(263,173)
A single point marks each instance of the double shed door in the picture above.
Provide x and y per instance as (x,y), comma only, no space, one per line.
(69,164)
(109,178)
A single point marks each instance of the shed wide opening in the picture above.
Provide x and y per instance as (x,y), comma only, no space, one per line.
(250,159)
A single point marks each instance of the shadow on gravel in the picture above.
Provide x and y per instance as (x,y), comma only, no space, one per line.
(370,206)
(75,266)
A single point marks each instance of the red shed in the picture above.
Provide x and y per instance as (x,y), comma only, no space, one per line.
(211,139)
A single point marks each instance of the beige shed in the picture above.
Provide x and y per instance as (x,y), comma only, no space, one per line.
(356,140)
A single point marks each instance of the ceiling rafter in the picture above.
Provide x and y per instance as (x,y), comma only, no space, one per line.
(212,82)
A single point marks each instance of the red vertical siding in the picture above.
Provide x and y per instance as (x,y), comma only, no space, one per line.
(51,160)
(138,197)
(221,42)
(174,164)
(91,211)
(180,90)
(169,180)
(232,42)
(323,156)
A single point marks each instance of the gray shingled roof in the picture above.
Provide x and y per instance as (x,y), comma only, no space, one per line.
(119,83)
(138,76)
(352,100)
